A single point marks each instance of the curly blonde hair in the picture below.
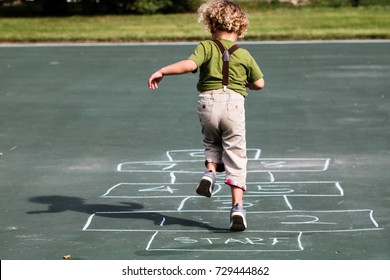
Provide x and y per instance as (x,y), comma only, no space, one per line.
(223,15)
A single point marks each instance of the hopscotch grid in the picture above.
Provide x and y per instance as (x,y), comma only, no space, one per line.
(267,165)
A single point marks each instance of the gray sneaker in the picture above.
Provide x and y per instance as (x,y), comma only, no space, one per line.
(238,218)
(206,184)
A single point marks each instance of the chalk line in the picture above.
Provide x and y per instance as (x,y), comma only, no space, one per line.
(150,241)
(89,221)
(287,202)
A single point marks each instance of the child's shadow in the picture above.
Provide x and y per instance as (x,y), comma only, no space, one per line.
(58,203)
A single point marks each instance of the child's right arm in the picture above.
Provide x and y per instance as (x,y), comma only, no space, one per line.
(181,67)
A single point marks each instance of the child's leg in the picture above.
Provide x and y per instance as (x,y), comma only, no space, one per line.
(234,142)
(208,112)
(237,213)
(206,184)
(237,195)
(212,166)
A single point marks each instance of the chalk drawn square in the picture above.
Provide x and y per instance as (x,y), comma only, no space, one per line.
(223,242)
(206,220)
(166,220)
(224,203)
(258,165)
(288,165)
(191,154)
(150,190)
(311,188)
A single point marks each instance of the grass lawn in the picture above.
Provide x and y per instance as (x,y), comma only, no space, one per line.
(306,23)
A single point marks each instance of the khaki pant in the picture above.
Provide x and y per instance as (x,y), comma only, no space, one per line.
(222,118)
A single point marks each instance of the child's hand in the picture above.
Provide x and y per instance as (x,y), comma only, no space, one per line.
(155,79)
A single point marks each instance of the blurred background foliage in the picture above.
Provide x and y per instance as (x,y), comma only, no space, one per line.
(119,7)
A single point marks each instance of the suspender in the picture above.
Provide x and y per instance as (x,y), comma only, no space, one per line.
(226,58)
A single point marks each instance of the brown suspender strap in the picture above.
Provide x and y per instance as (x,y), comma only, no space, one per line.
(226,58)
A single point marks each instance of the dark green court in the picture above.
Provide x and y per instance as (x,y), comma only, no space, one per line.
(96,166)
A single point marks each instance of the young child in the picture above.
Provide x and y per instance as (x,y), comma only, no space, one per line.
(225,72)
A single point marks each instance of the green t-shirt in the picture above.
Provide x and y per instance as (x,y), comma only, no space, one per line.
(242,67)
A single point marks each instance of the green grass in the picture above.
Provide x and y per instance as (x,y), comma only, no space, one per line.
(306,23)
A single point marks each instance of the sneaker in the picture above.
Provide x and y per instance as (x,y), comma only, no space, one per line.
(238,218)
(206,184)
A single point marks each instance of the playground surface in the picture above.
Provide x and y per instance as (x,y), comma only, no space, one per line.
(95,166)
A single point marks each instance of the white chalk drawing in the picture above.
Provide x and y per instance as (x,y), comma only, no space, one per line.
(173,221)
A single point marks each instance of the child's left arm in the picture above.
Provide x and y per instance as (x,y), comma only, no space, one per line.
(256,85)
(181,67)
